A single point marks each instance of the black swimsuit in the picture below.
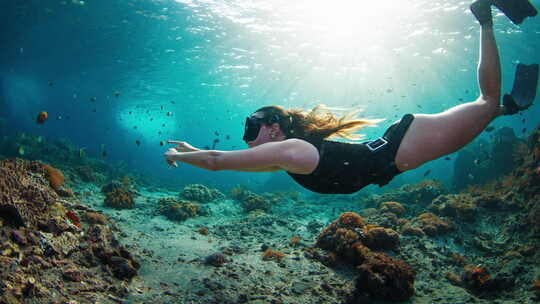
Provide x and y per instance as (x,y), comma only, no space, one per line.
(346,168)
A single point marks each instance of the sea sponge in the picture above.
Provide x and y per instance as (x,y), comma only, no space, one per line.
(54,176)
(200,193)
(180,210)
(393,207)
(408,229)
(455,205)
(432,225)
(120,199)
(381,238)
(385,278)
(252,202)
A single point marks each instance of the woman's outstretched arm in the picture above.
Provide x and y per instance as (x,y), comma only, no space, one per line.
(293,155)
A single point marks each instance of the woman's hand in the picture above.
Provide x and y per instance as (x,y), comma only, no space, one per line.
(183,146)
(169,156)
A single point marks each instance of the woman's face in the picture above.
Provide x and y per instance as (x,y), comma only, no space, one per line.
(262,138)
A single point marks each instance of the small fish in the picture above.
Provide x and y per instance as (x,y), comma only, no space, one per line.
(39,139)
(216,140)
(81,152)
(470,176)
(104,153)
(162,143)
(419,106)
(21,150)
(476,162)
(227,137)
(169,113)
(93,98)
(138,143)
(216,133)
(59,117)
(161,107)
(130,112)
(524,130)
(163,125)
(159,132)
(50,83)
(447,158)
(489,129)
(427,173)
(467,91)
(134,127)
(523,120)
(172,101)
(206,147)
(116,94)
(460,99)
(151,118)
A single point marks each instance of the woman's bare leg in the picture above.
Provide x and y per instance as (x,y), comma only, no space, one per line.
(431,136)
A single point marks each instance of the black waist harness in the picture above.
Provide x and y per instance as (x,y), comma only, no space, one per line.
(346,168)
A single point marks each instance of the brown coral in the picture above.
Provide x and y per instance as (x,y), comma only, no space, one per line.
(55,177)
(433,225)
(386,278)
(382,238)
(393,207)
(119,198)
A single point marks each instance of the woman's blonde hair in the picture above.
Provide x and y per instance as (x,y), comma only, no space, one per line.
(317,124)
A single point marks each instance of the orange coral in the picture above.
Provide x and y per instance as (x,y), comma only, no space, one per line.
(55,177)
(352,219)
(295,240)
(270,254)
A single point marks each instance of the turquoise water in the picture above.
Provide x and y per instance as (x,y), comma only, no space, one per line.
(111,73)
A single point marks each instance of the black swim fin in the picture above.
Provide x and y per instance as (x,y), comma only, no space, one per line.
(524,89)
(516,10)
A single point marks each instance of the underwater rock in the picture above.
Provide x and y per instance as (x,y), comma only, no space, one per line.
(200,193)
(119,198)
(385,278)
(381,238)
(180,210)
(420,194)
(455,205)
(216,259)
(392,207)
(95,218)
(433,225)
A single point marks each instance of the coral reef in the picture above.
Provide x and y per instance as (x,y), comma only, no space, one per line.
(455,205)
(46,252)
(350,239)
(433,225)
(180,210)
(119,198)
(385,278)
(392,207)
(200,193)
(250,201)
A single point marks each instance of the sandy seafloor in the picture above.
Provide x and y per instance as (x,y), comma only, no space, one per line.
(172,255)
